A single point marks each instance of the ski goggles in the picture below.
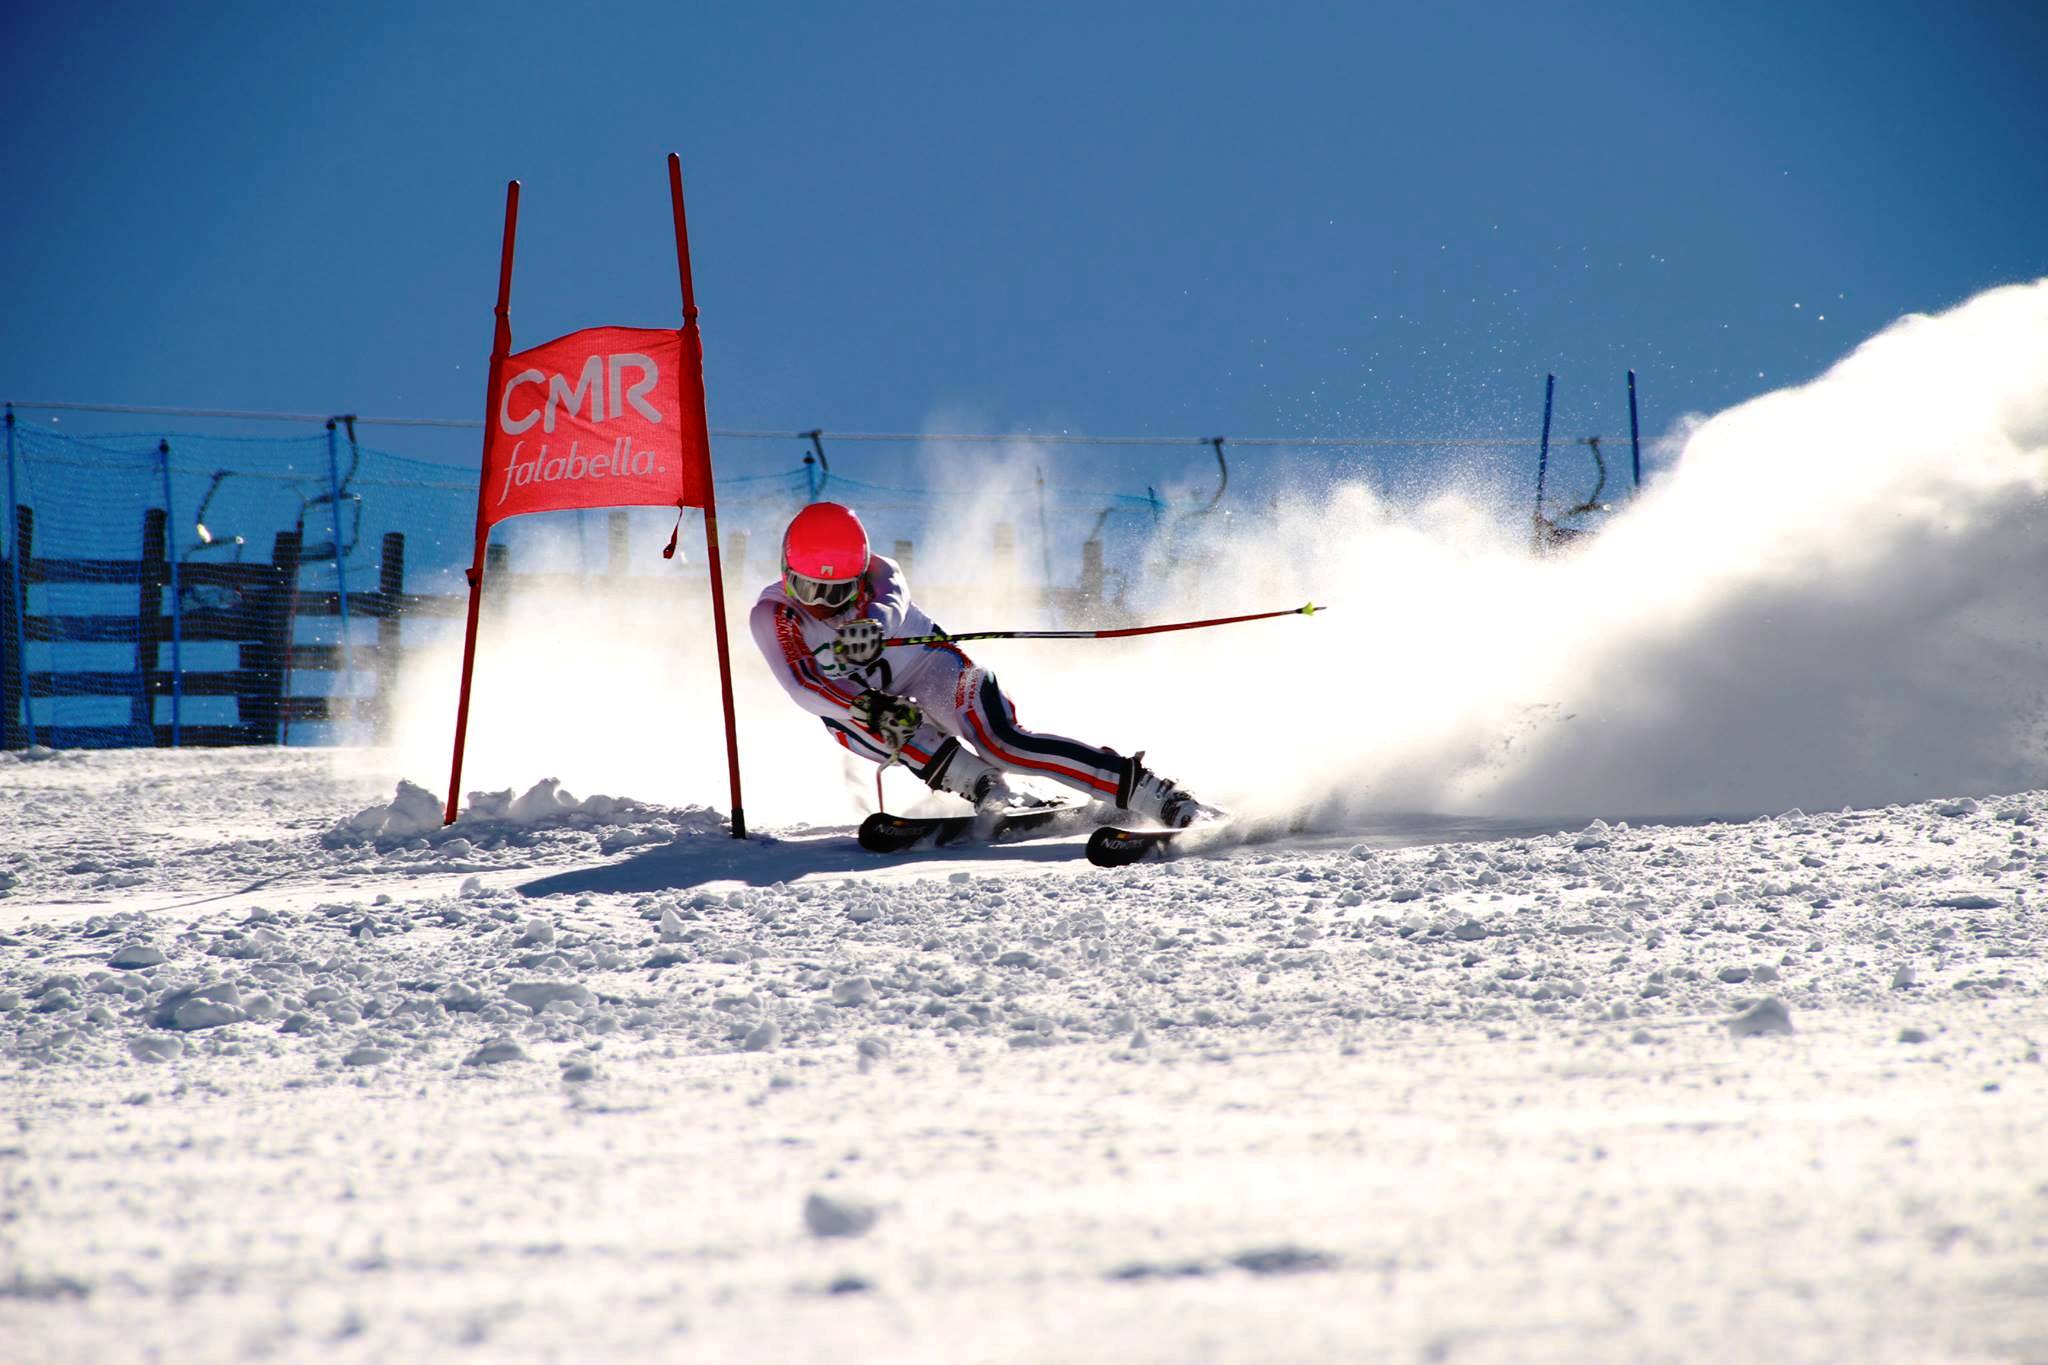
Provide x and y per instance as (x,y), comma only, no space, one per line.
(819,592)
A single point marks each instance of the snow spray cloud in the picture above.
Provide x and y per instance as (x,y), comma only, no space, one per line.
(1828,595)
(1833,595)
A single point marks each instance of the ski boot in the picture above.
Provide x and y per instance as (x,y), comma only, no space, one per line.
(967,775)
(1145,793)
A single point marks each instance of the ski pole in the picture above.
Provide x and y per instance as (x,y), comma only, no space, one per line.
(941,638)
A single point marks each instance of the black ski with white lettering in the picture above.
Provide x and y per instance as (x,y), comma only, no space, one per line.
(885,833)
(1115,846)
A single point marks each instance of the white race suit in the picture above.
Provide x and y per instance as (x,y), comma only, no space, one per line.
(960,701)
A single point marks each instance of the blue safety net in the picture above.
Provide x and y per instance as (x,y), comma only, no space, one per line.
(184,588)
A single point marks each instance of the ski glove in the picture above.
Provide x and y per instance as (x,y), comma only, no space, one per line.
(893,719)
(859,642)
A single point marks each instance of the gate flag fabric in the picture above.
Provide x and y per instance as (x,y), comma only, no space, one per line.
(596,418)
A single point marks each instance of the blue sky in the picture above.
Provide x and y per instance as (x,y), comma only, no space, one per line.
(1263,219)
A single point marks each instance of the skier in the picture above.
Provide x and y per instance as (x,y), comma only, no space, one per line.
(821,628)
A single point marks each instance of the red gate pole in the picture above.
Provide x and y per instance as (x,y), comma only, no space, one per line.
(501,346)
(694,357)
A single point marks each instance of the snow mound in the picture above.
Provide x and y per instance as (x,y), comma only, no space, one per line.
(412,812)
(34,753)
(543,801)
(416,813)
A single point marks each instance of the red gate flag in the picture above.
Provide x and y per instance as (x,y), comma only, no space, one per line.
(596,418)
(604,417)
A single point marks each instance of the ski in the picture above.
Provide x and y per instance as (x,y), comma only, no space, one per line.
(885,833)
(1115,846)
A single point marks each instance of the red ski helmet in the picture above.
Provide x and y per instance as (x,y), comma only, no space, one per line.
(824,554)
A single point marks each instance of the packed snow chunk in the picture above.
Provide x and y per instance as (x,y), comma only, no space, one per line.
(763,1037)
(1767,1015)
(136,955)
(412,812)
(198,1007)
(365,1056)
(619,840)
(826,1216)
(43,1288)
(1162,1270)
(854,991)
(542,801)
(1968,903)
(155,1047)
(538,995)
(1282,1260)
(461,998)
(493,1053)
(198,1014)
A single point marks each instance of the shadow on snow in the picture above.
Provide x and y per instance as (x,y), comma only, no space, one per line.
(763,860)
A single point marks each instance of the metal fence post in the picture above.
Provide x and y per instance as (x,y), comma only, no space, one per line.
(1543,455)
(163,455)
(390,630)
(1635,434)
(149,623)
(17,588)
(816,479)
(348,652)
(268,707)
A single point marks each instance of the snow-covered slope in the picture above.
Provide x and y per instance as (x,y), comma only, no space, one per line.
(289,1075)
(293,1072)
